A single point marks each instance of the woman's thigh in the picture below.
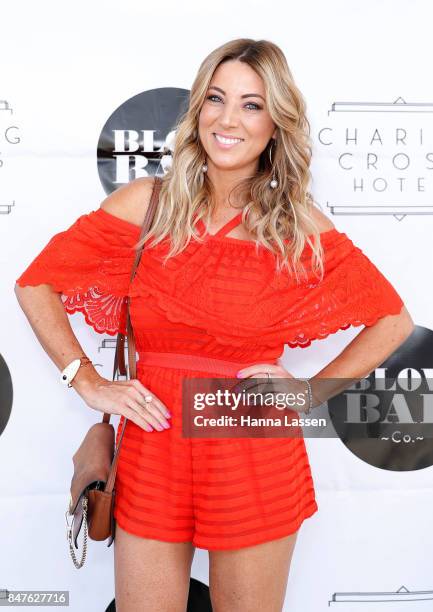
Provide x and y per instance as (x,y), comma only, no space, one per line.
(251,578)
(150,574)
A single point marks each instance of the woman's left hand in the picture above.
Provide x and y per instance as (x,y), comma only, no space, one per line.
(261,370)
(273,378)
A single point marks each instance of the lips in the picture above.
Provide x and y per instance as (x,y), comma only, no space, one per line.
(225,142)
(227,136)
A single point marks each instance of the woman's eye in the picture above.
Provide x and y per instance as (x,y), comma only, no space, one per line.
(255,106)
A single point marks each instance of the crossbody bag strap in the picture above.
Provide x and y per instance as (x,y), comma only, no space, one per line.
(119,354)
(109,486)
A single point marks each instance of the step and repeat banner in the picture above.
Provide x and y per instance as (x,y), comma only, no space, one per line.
(89,95)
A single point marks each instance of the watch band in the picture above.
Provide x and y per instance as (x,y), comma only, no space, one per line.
(69,373)
(310,396)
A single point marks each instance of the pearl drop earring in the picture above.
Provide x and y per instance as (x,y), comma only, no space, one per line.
(274,183)
(204,168)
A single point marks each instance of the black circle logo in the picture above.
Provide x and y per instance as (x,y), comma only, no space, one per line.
(6,394)
(387,418)
(137,139)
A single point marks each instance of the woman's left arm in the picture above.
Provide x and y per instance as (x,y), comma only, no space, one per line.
(362,355)
(367,350)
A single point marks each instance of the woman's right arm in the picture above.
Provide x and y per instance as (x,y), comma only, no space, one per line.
(46,314)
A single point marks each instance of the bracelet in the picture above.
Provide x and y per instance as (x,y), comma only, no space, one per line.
(310,395)
(69,373)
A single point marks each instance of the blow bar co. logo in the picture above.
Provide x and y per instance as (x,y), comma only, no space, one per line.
(387,419)
(6,394)
(137,139)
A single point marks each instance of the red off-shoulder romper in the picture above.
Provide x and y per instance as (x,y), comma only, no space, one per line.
(218,301)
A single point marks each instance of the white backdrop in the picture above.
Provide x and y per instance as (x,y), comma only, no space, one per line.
(64,69)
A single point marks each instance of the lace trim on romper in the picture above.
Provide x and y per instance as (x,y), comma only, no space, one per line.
(90,265)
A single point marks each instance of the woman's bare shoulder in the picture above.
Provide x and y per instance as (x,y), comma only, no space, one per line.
(323,222)
(130,201)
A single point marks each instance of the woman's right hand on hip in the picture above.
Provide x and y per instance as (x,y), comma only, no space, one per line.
(124,397)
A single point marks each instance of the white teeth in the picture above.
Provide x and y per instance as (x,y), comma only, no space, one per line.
(227,140)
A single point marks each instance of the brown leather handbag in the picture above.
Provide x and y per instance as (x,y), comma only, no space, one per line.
(91,501)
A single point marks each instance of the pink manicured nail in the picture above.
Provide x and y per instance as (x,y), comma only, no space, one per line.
(239,375)
(149,428)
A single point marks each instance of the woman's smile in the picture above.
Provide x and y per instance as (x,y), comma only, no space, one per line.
(224,142)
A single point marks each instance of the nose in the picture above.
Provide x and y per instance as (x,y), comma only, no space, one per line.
(229,116)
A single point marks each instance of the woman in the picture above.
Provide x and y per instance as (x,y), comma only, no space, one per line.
(238,263)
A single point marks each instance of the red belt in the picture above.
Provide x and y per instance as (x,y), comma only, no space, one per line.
(185,361)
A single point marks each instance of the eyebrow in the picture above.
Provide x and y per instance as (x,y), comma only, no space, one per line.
(249,95)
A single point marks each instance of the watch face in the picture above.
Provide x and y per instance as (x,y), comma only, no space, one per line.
(69,372)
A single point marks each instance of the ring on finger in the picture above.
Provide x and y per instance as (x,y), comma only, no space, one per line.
(148,398)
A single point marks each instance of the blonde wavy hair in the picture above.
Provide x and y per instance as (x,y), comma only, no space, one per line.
(270,215)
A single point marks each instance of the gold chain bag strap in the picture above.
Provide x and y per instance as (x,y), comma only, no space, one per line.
(92,493)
